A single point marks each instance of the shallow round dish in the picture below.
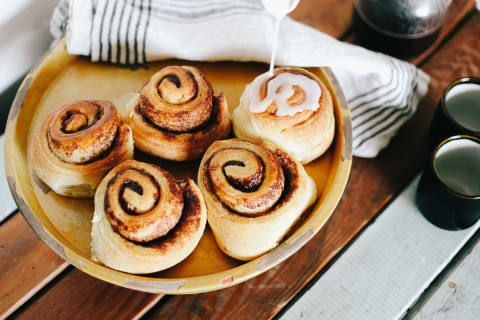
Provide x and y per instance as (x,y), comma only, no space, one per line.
(65,224)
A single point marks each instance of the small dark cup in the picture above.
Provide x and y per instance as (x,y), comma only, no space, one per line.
(458,111)
(448,193)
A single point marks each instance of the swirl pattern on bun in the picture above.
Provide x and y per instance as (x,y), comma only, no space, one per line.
(254,195)
(145,220)
(292,109)
(177,116)
(78,144)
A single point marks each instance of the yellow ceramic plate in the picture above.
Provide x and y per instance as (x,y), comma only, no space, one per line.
(64,223)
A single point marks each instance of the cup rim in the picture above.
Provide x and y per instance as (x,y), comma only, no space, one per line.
(434,154)
(443,102)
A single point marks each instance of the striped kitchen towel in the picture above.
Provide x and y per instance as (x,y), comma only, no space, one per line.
(382,92)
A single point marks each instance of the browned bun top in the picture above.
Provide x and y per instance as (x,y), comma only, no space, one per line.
(176,115)
(247,178)
(177,99)
(81,131)
(189,223)
(142,201)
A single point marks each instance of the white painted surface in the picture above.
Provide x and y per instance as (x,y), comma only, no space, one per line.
(378,277)
(24,36)
(458,298)
(11,9)
(385,270)
(7,205)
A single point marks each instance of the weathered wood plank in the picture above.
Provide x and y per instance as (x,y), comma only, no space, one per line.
(7,205)
(385,270)
(333,17)
(19,289)
(77,295)
(458,296)
(373,183)
(335,20)
(41,274)
(26,264)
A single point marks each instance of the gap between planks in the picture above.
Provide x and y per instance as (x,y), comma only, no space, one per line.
(384,272)
(440,299)
(76,295)
(304,1)
(26,264)
(458,297)
(321,18)
(443,67)
(33,290)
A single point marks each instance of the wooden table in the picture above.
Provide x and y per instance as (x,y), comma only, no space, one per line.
(36,283)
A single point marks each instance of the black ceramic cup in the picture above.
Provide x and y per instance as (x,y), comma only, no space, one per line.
(448,193)
(458,111)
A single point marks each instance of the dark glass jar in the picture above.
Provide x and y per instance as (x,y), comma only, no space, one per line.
(401,28)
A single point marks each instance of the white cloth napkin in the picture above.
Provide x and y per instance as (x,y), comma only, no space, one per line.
(382,92)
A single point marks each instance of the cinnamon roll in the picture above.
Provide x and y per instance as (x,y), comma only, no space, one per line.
(254,195)
(145,220)
(176,116)
(78,144)
(292,109)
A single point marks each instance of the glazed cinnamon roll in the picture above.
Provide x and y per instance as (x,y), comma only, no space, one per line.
(145,220)
(78,144)
(292,109)
(176,116)
(254,195)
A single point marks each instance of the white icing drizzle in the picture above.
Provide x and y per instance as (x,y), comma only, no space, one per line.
(285,81)
(278,9)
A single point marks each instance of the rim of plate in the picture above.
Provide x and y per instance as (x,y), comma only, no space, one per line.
(190,285)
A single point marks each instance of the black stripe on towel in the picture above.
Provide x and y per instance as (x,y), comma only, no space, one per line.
(101,31)
(381,110)
(135,44)
(390,87)
(190,5)
(374,90)
(119,47)
(60,14)
(144,53)
(109,55)
(409,110)
(63,8)
(127,41)
(378,102)
(204,15)
(393,110)
(381,130)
